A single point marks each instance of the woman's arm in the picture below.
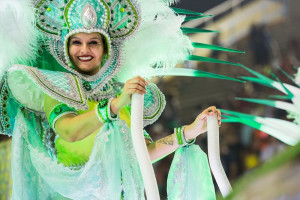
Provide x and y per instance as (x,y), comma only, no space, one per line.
(162,147)
(71,127)
(167,145)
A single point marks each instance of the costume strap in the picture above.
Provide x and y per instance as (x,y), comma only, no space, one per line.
(103,111)
(59,111)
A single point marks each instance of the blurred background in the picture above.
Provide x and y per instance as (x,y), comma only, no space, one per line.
(268,31)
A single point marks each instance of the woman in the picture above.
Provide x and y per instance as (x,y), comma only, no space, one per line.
(71,135)
(86,51)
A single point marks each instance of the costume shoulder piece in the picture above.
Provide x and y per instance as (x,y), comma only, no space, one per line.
(154,104)
(33,83)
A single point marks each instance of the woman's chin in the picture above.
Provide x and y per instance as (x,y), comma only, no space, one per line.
(88,70)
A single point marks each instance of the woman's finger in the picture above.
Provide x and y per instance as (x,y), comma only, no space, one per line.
(137,86)
(219,114)
(138,80)
(135,90)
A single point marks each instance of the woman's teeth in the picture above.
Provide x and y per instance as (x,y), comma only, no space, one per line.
(85,58)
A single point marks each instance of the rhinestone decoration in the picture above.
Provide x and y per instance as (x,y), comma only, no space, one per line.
(89,17)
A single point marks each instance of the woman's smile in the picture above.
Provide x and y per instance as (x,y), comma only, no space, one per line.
(85,58)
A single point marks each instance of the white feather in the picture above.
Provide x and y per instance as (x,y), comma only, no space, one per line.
(18,35)
(297,77)
(158,41)
(170,2)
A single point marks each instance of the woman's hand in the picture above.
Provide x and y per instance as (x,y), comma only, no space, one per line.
(134,85)
(200,124)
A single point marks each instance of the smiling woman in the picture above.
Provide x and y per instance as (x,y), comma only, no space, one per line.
(72,129)
(86,51)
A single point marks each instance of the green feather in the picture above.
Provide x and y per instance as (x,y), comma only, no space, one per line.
(280,97)
(189,18)
(287,91)
(238,114)
(186,30)
(212,60)
(214,47)
(257,74)
(186,72)
(245,121)
(259,101)
(185,12)
(258,80)
(287,75)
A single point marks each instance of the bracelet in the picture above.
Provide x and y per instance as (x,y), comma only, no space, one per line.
(58,111)
(103,111)
(179,137)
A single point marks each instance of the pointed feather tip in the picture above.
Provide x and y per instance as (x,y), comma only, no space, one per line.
(184,11)
(280,97)
(290,94)
(190,18)
(186,30)
(237,115)
(211,60)
(215,47)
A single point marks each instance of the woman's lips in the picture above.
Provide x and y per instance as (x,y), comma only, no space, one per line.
(85,58)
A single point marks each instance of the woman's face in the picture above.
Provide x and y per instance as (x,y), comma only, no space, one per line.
(86,51)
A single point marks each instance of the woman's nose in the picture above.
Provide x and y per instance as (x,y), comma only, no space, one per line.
(84,49)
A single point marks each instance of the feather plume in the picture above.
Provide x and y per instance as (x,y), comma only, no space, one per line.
(297,77)
(170,2)
(18,36)
(158,42)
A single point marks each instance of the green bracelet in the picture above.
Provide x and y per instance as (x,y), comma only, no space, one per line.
(103,111)
(58,111)
(179,137)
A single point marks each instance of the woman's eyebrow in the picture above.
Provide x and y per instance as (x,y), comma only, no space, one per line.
(73,38)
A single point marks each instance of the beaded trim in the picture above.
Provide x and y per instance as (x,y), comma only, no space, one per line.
(59,111)
(73,97)
(180,138)
(152,113)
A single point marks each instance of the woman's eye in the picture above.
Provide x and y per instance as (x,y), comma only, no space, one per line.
(75,42)
(94,42)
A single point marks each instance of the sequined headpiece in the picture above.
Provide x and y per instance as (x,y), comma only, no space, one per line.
(113,19)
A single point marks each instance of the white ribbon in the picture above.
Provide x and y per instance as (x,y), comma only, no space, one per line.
(137,106)
(214,155)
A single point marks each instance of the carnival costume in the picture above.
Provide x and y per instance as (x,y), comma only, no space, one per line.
(139,35)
